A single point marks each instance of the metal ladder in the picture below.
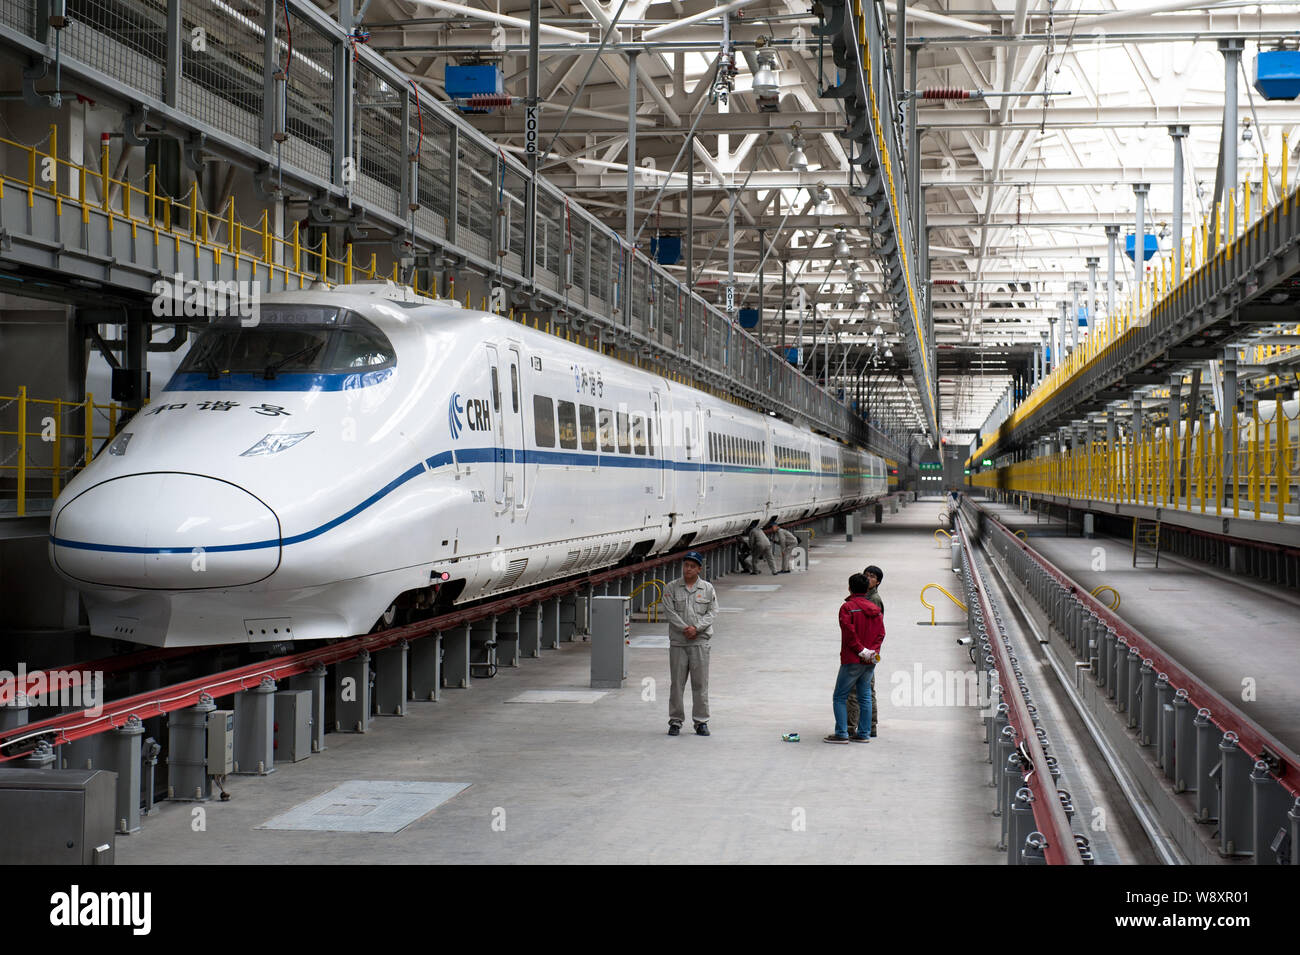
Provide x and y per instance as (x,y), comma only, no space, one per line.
(1146,537)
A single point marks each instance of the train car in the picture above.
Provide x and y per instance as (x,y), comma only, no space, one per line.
(361,451)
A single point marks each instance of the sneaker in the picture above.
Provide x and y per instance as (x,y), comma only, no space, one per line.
(674,729)
(835,739)
(702,729)
(860,739)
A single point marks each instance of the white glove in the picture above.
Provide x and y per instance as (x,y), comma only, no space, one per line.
(865,656)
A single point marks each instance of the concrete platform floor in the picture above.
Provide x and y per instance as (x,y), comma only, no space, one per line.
(602,782)
(1241,637)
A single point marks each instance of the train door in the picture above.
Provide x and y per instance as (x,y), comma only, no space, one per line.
(498,429)
(655,432)
(513,414)
(704,450)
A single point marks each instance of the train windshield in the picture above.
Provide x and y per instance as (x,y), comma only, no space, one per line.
(287,341)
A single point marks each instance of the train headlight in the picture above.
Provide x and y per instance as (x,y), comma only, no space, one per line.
(119,444)
(275,443)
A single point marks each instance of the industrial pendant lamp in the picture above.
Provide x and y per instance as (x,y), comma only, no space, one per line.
(842,250)
(765,82)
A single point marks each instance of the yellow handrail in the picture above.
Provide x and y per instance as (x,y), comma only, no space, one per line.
(1100,587)
(930,606)
(652,609)
(937,532)
(49,431)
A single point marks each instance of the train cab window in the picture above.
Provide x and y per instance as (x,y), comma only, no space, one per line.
(290,339)
(543,421)
(638,434)
(568,425)
(624,440)
(587,427)
(514,387)
(496,391)
(606,430)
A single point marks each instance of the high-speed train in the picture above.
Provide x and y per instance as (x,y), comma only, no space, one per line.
(362,449)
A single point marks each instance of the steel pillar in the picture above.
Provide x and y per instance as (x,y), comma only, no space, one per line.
(1112,241)
(352,694)
(425,661)
(1178,134)
(1140,191)
(255,730)
(391,679)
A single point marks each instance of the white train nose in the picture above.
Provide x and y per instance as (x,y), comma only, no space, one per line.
(166,531)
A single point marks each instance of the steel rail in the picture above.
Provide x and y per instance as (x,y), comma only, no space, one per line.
(1251,737)
(1049,814)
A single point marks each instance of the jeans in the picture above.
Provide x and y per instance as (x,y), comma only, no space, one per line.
(853,676)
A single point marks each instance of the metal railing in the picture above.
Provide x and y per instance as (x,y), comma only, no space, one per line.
(471,198)
(1230,233)
(43,443)
(1195,470)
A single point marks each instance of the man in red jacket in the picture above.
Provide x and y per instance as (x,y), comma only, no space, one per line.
(862,631)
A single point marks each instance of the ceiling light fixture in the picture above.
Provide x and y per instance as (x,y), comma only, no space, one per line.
(765,81)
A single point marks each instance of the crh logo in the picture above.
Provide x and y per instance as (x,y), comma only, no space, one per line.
(454,411)
(77,908)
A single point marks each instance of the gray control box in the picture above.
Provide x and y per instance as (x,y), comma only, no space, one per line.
(611,628)
(57,816)
(221,742)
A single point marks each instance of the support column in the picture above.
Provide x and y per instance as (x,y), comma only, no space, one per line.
(1178,134)
(1140,191)
(483,644)
(1052,357)
(1092,262)
(352,694)
(425,660)
(121,754)
(507,638)
(1175,414)
(455,658)
(1231,50)
(187,757)
(530,631)
(1075,288)
(551,624)
(1228,415)
(631,157)
(390,680)
(1112,240)
(255,730)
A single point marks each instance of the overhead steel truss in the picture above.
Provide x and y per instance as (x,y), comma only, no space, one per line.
(352,121)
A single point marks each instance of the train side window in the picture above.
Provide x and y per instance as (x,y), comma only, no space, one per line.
(624,441)
(687,432)
(568,425)
(638,434)
(650,436)
(496,391)
(514,387)
(544,421)
(606,430)
(587,427)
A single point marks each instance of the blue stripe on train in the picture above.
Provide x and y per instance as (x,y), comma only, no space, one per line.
(444,459)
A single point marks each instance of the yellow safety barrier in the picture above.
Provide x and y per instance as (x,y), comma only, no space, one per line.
(1231,230)
(930,606)
(1097,590)
(652,610)
(52,439)
(937,532)
(1191,467)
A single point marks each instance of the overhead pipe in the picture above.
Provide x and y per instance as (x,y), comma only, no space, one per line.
(688,21)
(502,19)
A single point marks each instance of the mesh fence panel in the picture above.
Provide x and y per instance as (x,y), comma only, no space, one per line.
(126,40)
(309,116)
(476,184)
(549,240)
(377,142)
(579,236)
(221,67)
(19,15)
(435,176)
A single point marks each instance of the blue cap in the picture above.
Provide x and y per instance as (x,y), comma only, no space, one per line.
(696,556)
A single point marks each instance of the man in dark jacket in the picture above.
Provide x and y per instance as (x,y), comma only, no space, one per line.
(862,631)
(874,576)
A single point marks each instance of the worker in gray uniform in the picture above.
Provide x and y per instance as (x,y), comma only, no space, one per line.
(783,539)
(760,548)
(690,604)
